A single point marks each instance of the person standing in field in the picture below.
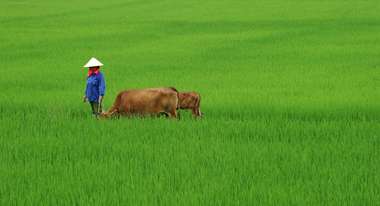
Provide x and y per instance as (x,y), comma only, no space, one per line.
(95,86)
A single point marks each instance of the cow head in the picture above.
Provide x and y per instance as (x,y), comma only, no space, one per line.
(106,115)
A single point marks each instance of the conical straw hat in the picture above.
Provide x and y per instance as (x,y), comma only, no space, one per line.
(93,63)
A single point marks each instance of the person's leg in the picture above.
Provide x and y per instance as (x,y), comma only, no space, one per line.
(94,108)
(100,110)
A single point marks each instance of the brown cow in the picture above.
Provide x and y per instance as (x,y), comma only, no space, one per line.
(145,102)
(190,100)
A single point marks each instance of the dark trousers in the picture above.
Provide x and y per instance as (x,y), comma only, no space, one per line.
(96,108)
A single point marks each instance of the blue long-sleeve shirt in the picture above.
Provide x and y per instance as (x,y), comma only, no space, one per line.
(95,87)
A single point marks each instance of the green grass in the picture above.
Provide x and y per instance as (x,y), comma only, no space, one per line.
(290,92)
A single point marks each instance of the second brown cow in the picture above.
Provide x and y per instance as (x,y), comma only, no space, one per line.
(190,101)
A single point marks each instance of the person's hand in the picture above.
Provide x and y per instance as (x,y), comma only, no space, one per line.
(85,99)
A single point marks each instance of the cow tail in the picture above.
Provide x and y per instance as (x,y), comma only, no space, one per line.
(173,88)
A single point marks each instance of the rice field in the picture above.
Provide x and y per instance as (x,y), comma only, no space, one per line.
(290,95)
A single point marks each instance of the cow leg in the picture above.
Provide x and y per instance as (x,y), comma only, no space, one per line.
(178,115)
(173,114)
(198,107)
(199,114)
(163,113)
(194,112)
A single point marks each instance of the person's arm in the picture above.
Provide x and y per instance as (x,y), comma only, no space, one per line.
(102,88)
(85,93)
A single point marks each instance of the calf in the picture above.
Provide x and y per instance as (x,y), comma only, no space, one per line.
(191,101)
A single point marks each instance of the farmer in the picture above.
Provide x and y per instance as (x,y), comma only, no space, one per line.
(95,86)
